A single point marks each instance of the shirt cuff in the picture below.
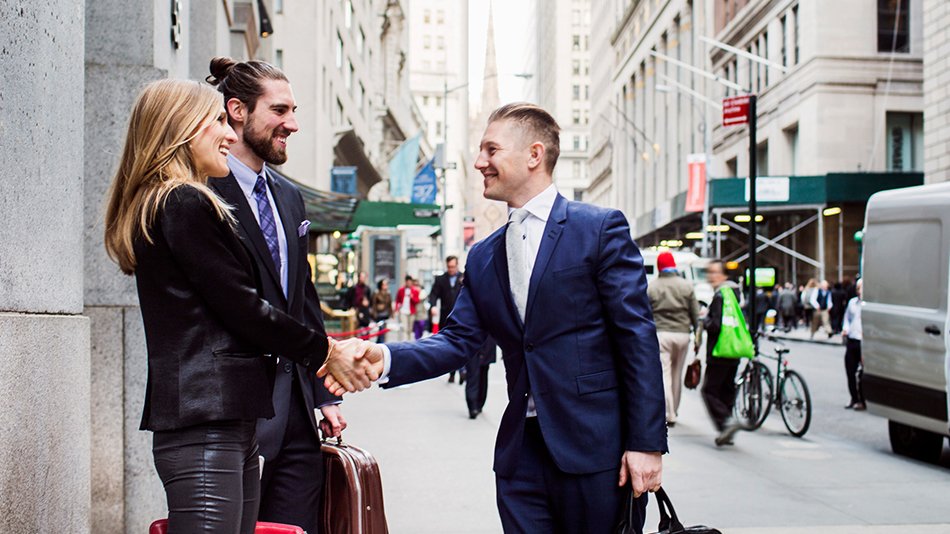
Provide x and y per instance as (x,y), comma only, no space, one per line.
(387,365)
(330,403)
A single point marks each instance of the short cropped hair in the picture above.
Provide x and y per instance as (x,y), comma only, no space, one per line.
(536,122)
(451,258)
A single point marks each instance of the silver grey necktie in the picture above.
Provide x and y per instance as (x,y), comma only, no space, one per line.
(518,274)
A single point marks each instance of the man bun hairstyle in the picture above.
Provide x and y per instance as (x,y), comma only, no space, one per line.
(242,80)
(536,122)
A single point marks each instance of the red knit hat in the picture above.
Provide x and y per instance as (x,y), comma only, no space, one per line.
(665,261)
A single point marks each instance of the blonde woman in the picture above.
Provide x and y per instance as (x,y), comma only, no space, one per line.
(208,334)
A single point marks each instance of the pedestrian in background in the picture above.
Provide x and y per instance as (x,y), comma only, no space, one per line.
(445,289)
(808,297)
(839,299)
(476,388)
(822,306)
(719,385)
(382,306)
(354,295)
(407,298)
(786,306)
(676,314)
(853,362)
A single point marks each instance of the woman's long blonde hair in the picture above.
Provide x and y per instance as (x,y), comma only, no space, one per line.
(157,158)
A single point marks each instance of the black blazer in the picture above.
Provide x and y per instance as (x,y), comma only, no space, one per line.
(301,302)
(442,290)
(206,329)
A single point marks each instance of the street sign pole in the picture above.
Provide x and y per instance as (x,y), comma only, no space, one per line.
(753,322)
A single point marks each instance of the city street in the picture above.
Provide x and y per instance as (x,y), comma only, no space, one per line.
(842,477)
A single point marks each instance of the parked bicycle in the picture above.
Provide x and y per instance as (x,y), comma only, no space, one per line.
(755,394)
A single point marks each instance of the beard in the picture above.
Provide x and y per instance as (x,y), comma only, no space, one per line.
(262,143)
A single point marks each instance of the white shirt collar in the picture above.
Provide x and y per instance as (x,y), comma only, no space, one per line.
(541,205)
(245,176)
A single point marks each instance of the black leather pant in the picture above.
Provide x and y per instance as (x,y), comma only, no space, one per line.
(211,474)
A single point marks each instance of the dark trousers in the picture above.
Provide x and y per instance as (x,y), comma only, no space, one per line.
(540,498)
(789,321)
(852,362)
(719,389)
(211,477)
(476,387)
(292,482)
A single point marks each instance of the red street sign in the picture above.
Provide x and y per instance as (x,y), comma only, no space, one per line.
(735,110)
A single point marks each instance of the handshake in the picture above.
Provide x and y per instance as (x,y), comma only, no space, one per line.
(352,365)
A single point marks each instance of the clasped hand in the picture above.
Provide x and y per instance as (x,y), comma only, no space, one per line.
(352,365)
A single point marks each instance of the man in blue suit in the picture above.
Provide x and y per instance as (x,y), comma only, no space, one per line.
(562,289)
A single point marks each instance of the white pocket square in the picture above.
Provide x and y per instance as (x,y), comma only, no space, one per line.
(302,229)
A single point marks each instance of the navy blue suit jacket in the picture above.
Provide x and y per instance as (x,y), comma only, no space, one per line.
(587,350)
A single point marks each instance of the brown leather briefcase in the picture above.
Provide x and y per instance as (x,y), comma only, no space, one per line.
(352,491)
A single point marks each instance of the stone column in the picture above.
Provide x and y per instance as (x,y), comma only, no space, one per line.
(44,339)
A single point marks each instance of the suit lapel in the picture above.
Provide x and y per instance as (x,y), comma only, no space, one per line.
(552,233)
(500,261)
(290,232)
(233,195)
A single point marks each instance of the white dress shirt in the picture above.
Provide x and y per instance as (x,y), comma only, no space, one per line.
(247,179)
(539,209)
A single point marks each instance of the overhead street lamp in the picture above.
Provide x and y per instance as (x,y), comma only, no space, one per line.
(444,164)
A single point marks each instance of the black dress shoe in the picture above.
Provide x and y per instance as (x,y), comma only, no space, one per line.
(472,414)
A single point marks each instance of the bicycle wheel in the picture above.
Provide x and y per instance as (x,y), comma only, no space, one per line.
(753,396)
(795,404)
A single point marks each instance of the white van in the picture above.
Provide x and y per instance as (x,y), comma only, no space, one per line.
(690,266)
(906,267)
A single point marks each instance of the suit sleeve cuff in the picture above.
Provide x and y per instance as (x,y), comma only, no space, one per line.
(330,403)
(387,365)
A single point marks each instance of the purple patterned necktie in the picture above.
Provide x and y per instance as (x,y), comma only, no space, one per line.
(266,220)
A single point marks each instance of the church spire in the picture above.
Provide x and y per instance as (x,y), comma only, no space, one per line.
(490,96)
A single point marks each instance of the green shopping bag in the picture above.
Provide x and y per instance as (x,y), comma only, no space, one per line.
(734,341)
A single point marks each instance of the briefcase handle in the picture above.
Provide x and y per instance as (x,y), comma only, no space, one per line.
(339,440)
(668,519)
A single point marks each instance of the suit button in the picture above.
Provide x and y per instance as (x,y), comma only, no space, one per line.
(529,347)
(288,367)
(306,362)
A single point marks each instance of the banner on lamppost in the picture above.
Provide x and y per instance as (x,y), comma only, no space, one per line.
(424,185)
(696,187)
(402,168)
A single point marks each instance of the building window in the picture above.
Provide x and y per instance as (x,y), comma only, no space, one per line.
(338,113)
(578,195)
(784,41)
(279,58)
(438,101)
(905,134)
(440,16)
(278,6)
(576,67)
(360,95)
(762,159)
(764,52)
(425,100)
(795,36)
(576,168)
(440,42)
(348,75)
(360,41)
(576,92)
(438,127)
(577,142)
(426,65)
(576,116)
(427,42)
(339,51)
(732,168)
(576,46)
(348,14)
(427,16)
(892,31)
(791,135)
(586,92)
(440,66)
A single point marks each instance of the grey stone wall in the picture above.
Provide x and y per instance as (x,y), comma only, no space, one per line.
(936,90)
(44,339)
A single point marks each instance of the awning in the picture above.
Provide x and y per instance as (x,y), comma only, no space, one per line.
(349,150)
(394,214)
(823,189)
(326,211)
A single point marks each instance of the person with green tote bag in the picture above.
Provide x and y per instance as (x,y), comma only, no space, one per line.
(727,341)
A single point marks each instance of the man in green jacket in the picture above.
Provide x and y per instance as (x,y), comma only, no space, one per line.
(676,314)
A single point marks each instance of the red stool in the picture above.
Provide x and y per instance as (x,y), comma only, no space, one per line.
(161,526)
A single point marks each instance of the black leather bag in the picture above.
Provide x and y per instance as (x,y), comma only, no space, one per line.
(669,522)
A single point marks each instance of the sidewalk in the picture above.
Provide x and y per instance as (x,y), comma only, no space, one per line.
(802,334)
